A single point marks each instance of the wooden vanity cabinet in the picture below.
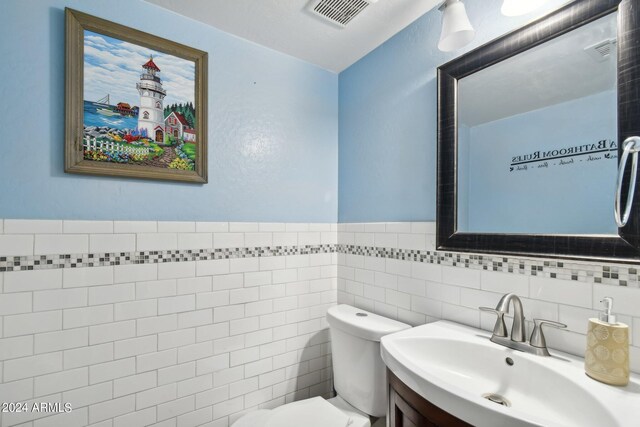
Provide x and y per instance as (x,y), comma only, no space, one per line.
(408,409)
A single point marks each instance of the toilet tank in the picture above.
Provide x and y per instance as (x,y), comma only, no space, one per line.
(359,375)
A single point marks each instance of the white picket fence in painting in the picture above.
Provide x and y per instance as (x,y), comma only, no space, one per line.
(94,145)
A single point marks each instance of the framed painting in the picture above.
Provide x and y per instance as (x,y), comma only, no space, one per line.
(135,103)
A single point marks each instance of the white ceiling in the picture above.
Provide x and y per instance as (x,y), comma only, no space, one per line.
(554,72)
(287,26)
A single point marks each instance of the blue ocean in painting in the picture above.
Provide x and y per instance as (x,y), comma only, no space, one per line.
(112,119)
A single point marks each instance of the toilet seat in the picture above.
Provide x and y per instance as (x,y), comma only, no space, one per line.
(313,412)
(252,419)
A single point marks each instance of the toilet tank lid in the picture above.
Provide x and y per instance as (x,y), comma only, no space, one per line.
(361,323)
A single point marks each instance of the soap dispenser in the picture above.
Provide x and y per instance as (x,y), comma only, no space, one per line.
(607,355)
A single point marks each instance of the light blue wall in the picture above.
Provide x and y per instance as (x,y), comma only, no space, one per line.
(273,127)
(388,112)
(576,198)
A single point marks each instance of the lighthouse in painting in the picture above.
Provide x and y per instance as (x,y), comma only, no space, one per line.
(151,113)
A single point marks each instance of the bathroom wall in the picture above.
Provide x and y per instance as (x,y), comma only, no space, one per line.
(388,112)
(187,318)
(272,127)
(387,190)
(179,323)
(175,318)
(393,269)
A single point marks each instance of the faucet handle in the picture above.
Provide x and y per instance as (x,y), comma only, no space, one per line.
(499,329)
(537,336)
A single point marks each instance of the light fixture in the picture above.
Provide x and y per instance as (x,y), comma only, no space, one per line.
(456,28)
(520,7)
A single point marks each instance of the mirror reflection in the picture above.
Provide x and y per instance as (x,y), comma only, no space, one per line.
(537,138)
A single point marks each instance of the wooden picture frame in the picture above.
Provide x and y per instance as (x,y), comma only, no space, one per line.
(168,142)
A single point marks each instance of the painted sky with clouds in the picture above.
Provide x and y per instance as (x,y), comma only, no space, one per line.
(113,67)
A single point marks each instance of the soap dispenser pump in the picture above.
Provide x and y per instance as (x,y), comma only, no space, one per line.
(607,355)
(606,316)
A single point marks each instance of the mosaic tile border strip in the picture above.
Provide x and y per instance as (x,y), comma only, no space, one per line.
(43,262)
(618,275)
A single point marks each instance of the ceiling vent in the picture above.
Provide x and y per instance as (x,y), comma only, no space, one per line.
(339,12)
(602,51)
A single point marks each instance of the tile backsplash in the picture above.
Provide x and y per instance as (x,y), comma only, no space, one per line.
(190,323)
(393,269)
(175,323)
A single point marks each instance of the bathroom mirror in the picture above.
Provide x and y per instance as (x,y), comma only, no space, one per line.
(529,137)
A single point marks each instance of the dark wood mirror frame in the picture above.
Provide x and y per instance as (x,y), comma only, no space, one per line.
(622,248)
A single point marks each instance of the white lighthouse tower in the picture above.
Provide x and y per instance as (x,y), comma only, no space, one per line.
(151,112)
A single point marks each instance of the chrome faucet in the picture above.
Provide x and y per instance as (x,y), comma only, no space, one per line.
(517,330)
(537,343)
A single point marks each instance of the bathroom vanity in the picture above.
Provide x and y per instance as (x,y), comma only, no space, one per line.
(444,373)
(408,409)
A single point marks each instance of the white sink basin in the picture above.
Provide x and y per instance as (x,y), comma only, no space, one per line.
(454,366)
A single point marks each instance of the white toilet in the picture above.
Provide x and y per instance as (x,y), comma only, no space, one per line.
(359,377)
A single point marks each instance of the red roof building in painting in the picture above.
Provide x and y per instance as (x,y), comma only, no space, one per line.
(181,118)
(175,124)
(150,65)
